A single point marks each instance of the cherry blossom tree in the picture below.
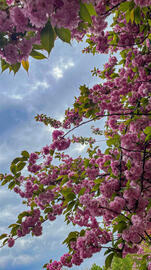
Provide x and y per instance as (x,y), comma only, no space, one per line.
(106,194)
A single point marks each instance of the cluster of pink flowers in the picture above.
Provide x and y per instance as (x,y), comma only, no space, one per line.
(11,242)
(142,3)
(24,17)
(59,142)
(84,247)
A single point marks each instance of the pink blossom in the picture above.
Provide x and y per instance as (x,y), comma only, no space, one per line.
(11,242)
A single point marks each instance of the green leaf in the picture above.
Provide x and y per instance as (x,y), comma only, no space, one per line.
(25,154)
(14,230)
(124,6)
(143,265)
(4,65)
(8,178)
(127,16)
(108,260)
(66,190)
(12,225)
(12,185)
(70,197)
(123,263)
(149,205)
(107,251)
(137,15)
(21,165)
(24,214)
(69,207)
(71,237)
(51,152)
(81,192)
(1,176)
(128,164)
(16,67)
(13,168)
(47,37)
(132,15)
(4,182)
(48,210)
(37,55)
(110,142)
(45,265)
(91,9)
(64,34)
(3,236)
(147,130)
(122,226)
(37,47)
(16,160)
(84,14)
(5,241)
(149,22)
(148,138)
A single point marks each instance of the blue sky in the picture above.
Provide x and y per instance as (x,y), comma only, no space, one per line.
(49,88)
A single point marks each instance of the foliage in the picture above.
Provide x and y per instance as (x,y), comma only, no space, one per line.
(121,264)
(118,264)
(96,267)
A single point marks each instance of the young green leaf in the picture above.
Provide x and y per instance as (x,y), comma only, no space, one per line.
(64,34)
(37,55)
(108,260)
(13,168)
(91,9)
(84,14)
(147,130)
(47,37)
(3,236)
(16,67)
(25,154)
(20,165)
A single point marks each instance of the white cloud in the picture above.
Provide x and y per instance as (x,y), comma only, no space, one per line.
(80,148)
(23,260)
(10,212)
(16,96)
(63,64)
(68,64)
(39,84)
(57,72)
(23,243)
(14,260)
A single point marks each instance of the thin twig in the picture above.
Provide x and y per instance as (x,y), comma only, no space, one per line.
(103,115)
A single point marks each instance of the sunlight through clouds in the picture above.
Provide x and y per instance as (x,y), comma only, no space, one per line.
(58,71)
